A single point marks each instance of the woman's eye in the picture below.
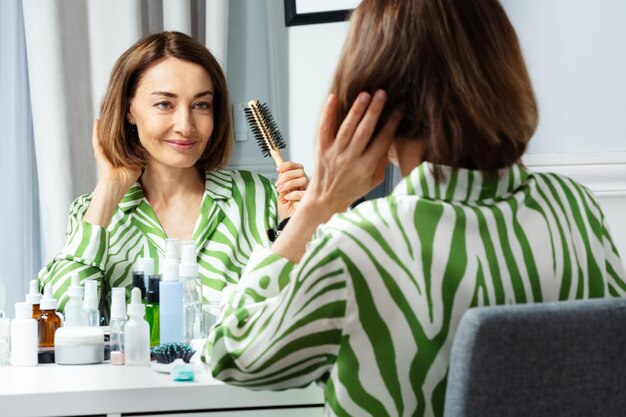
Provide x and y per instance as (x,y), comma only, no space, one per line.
(202,106)
(163,105)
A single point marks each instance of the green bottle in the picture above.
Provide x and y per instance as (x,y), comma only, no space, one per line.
(152,309)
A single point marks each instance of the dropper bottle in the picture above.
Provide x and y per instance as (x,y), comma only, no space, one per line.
(74,306)
(136,332)
(49,321)
(33,298)
(118,320)
(90,304)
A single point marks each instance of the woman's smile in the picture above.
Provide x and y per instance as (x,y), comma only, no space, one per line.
(181,144)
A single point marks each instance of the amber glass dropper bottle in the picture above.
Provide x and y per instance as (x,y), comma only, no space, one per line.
(33,298)
(49,321)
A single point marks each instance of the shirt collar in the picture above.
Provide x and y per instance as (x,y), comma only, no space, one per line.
(460,184)
(218,185)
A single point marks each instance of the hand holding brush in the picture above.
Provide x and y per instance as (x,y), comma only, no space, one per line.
(292,180)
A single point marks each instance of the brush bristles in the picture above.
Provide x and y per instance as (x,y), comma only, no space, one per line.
(263,127)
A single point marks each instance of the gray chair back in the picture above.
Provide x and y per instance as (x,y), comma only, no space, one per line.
(554,359)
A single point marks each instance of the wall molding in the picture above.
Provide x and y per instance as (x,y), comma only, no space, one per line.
(604,173)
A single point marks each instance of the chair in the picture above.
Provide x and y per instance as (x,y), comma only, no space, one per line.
(554,359)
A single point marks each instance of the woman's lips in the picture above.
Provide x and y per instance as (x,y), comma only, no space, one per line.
(181,145)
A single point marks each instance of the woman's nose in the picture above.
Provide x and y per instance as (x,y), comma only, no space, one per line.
(183,122)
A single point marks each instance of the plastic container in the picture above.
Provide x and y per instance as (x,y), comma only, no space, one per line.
(117,322)
(24,332)
(80,345)
(190,281)
(90,304)
(171,300)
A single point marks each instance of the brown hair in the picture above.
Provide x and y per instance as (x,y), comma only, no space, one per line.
(456,69)
(119,138)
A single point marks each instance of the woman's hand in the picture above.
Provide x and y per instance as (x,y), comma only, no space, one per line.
(122,177)
(348,165)
(291,184)
(352,162)
(113,182)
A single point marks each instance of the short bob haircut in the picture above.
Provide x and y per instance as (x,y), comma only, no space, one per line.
(456,70)
(119,139)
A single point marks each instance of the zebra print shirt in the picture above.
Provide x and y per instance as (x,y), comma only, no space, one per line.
(237,209)
(371,309)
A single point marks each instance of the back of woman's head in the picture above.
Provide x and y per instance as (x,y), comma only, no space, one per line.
(119,139)
(455,68)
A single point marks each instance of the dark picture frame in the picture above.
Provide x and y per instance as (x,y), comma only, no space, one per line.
(292,18)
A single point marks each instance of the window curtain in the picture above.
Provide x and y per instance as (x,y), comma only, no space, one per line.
(20,253)
(71,47)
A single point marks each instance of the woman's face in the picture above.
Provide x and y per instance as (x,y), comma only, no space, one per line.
(173,111)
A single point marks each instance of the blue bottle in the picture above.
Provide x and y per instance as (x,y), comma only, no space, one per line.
(171,300)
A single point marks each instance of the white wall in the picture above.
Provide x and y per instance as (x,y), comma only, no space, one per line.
(577,61)
(313,54)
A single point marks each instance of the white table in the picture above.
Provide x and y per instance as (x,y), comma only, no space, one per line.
(113,391)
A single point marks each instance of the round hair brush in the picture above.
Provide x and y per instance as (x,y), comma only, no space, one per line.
(265,130)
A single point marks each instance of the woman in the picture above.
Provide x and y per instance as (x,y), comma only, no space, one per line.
(163,139)
(369,306)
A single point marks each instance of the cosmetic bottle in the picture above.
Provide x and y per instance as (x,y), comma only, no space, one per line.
(49,321)
(153,310)
(172,250)
(23,336)
(136,332)
(74,306)
(90,304)
(34,298)
(146,266)
(171,300)
(190,281)
(138,281)
(117,322)
(5,341)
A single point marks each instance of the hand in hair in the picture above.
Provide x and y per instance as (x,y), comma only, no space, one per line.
(352,162)
(113,182)
(348,165)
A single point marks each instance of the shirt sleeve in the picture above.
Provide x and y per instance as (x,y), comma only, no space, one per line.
(616,276)
(84,253)
(282,324)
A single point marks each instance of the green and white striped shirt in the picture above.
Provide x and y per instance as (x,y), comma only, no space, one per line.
(372,308)
(237,209)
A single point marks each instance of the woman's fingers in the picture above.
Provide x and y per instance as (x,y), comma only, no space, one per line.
(345,134)
(380,144)
(367,125)
(326,127)
(294,184)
